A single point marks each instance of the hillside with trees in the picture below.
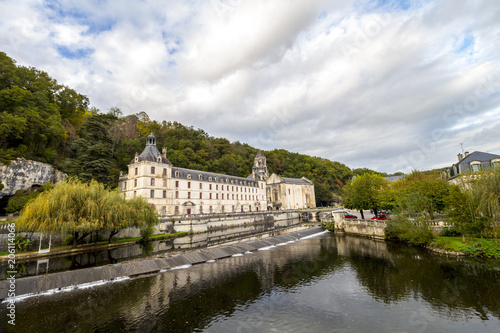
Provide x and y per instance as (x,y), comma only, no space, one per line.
(48,122)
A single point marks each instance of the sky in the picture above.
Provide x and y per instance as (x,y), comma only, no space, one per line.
(386,85)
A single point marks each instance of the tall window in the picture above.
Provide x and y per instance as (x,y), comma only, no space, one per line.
(201,209)
(135,193)
(177,194)
(152,170)
(152,194)
(135,182)
(210,195)
(211,209)
(216,195)
(176,210)
(124,185)
(164,171)
(189,195)
(209,186)
(176,183)
(201,186)
(152,182)
(164,194)
(222,196)
(136,171)
(201,195)
(189,184)
(216,187)
(164,183)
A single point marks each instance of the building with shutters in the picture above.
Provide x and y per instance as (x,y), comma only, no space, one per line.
(180,191)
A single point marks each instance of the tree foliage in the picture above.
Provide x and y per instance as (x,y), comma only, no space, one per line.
(474,204)
(77,208)
(364,192)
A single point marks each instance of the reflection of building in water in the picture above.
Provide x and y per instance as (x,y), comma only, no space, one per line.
(180,191)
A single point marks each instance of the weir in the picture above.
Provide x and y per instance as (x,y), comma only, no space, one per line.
(130,269)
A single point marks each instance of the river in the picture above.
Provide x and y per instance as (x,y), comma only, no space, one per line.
(327,283)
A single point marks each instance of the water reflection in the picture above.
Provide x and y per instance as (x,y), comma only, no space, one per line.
(319,284)
(154,248)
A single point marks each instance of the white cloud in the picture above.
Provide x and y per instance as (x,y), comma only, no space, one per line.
(383,88)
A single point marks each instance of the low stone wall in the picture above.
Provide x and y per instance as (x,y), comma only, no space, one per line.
(214,222)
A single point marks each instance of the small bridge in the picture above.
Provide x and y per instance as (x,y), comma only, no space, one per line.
(316,214)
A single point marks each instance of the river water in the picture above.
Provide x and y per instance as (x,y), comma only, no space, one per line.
(327,283)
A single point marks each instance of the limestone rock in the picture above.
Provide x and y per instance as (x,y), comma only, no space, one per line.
(22,174)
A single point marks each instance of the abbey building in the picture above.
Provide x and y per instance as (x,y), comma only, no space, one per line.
(179,191)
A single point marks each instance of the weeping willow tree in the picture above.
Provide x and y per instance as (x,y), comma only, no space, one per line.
(475,204)
(78,209)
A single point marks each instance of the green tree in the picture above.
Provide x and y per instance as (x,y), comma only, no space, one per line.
(77,208)
(94,151)
(363,192)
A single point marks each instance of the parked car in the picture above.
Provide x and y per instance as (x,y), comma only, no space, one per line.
(381,217)
(348,215)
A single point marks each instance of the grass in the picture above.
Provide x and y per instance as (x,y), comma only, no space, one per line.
(475,247)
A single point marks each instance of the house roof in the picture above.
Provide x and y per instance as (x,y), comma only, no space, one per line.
(211,176)
(478,156)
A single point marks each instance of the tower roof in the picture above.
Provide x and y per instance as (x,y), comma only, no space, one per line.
(260,154)
(150,152)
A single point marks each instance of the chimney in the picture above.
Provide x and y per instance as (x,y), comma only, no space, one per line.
(460,157)
(164,152)
(466,153)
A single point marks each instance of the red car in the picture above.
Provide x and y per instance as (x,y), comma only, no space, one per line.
(349,216)
(381,217)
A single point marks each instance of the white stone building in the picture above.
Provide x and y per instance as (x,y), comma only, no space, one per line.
(179,191)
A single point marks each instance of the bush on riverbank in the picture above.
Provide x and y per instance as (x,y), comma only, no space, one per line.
(415,232)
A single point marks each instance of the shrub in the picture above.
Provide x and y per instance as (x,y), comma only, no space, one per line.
(450,232)
(416,232)
(482,248)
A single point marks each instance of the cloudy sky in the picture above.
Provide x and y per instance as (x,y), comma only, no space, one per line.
(388,85)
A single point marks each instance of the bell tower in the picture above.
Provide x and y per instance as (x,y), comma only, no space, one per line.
(259,170)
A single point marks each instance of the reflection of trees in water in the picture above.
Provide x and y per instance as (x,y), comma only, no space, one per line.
(452,286)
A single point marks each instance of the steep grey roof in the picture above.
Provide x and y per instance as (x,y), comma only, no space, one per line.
(478,156)
(211,176)
(295,180)
(393,178)
(260,154)
(151,153)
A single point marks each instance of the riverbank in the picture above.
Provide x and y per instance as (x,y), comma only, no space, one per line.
(449,246)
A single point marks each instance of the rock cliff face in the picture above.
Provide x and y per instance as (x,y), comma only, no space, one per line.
(21,174)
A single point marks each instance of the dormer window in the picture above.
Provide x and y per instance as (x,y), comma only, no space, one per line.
(210,178)
(495,163)
(189,176)
(200,176)
(475,166)
(177,174)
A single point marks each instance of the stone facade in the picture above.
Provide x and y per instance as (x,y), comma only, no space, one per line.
(290,193)
(179,191)
(22,174)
